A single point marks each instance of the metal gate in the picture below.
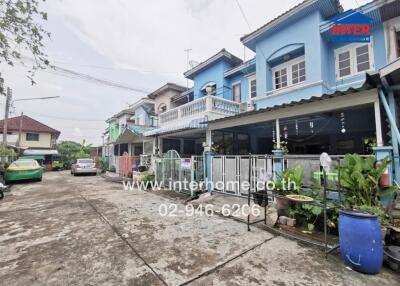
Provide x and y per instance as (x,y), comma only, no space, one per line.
(176,173)
(168,169)
(237,175)
(127,164)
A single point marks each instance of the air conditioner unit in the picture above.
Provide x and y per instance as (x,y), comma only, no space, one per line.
(250,106)
(243,107)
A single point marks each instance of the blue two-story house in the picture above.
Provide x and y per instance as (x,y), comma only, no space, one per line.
(312,94)
(218,90)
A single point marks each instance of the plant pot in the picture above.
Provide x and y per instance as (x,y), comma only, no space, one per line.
(282,205)
(384,181)
(260,198)
(360,240)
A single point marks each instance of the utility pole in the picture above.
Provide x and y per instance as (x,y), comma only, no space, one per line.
(20,129)
(6,112)
(187,64)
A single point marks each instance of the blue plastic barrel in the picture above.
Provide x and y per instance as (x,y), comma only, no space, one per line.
(360,240)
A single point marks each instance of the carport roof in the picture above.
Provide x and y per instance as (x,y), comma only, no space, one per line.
(368,84)
(199,123)
(132,133)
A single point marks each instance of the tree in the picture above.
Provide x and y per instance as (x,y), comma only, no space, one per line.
(21,34)
(70,150)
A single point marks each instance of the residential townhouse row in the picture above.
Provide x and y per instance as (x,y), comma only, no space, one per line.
(302,92)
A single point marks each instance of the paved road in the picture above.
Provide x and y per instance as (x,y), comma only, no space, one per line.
(85,231)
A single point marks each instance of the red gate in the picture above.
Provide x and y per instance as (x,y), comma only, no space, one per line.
(127,164)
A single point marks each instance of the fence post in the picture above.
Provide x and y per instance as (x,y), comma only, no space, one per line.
(380,154)
(278,163)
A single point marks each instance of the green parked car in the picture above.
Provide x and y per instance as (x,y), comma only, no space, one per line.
(26,169)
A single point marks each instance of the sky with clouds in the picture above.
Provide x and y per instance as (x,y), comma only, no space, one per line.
(137,43)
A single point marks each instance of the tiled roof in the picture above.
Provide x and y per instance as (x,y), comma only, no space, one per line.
(28,125)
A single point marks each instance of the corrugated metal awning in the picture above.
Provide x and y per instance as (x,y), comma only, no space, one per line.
(199,123)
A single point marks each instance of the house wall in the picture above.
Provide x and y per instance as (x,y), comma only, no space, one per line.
(44,141)
(142,117)
(213,73)
(165,98)
(291,35)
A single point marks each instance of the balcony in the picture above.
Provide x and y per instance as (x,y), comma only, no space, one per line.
(211,106)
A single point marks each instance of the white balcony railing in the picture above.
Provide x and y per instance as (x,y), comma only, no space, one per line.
(218,106)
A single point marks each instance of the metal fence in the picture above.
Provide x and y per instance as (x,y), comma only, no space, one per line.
(237,175)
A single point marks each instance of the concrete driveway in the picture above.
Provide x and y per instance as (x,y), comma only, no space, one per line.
(85,231)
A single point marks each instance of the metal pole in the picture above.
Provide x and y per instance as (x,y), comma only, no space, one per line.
(187,64)
(6,112)
(20,129)
(278,134)
(325,215)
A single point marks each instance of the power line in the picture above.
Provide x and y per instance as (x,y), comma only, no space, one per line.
(57,70)
(243,14)
(112,68)
(69,119)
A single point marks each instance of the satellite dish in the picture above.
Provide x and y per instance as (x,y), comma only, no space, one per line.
(193,63)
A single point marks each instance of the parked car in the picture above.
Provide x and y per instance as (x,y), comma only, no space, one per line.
(23,169)
(83,166)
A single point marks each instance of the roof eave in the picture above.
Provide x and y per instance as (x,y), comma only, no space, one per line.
(165,87)
(220,55)
(249,37)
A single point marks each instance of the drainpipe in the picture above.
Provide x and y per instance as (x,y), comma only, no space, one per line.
(389,115)
(395,142)
(382,152)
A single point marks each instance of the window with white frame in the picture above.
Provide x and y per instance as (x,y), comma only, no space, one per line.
(252,86)
(280,78)
(298,72)
(289,73)
(353,59)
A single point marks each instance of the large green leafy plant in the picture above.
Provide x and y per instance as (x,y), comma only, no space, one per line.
(360,178)
(289,181)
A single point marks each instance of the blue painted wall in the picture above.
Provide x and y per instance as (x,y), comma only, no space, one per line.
(213,73)
(303,32)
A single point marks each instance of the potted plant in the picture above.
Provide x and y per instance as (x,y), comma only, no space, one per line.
(362,221)
(360,178)
(289,181)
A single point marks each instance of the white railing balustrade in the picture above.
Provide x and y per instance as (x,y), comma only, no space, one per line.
(196,106)
(225,106)
(201,106)
(169,115)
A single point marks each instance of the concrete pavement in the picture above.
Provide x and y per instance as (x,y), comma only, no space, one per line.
(85,231)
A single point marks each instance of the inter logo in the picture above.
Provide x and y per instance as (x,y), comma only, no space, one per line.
(351,27)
